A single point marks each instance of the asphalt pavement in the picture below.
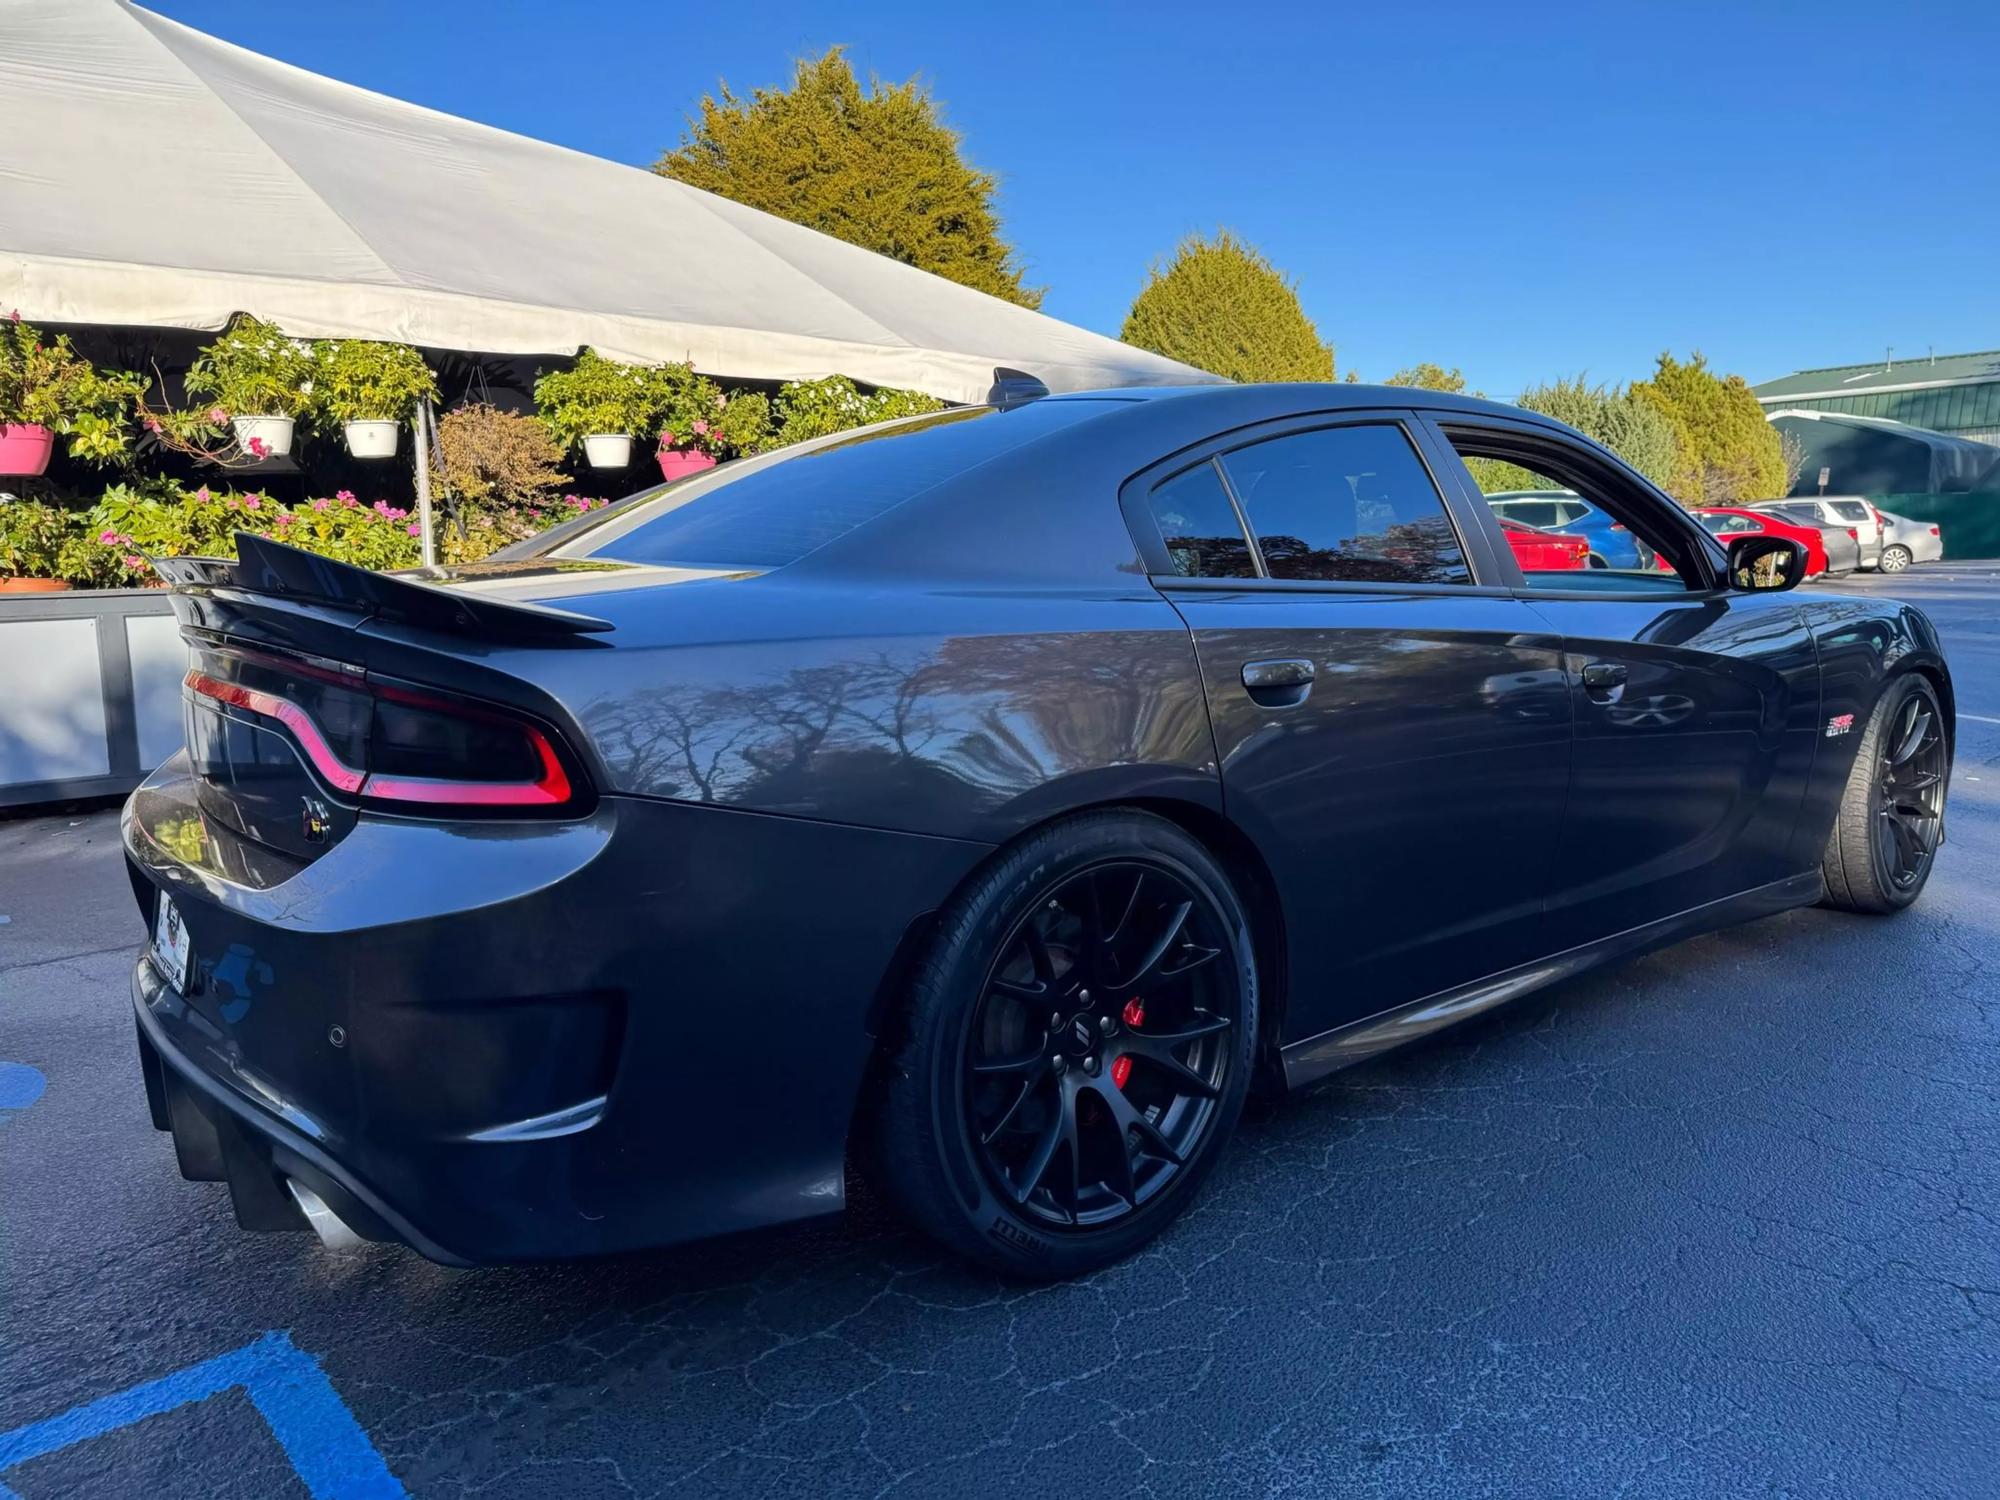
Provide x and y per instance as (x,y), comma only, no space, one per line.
(1721,1221)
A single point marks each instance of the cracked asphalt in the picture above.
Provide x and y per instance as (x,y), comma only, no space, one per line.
(1722,1221)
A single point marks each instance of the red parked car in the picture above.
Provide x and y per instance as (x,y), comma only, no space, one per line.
(1545,551)
(1729,520)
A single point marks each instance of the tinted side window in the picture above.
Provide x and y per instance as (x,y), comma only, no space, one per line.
(1346,504)
(1543,513)
(1204,539)
(1850,510)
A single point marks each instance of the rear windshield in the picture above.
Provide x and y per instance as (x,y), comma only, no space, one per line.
(767,512)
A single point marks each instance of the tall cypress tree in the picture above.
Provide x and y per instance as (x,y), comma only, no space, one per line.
(1220,306)
(876,167)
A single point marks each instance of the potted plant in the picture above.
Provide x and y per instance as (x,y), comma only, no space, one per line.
(46,390)
(371,389)
(32,533)
(259,381)
(701,425)
(599,403)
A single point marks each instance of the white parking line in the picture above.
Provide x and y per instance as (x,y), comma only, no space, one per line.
(1982,718)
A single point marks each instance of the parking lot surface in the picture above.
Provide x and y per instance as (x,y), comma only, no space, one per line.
(1724,1220)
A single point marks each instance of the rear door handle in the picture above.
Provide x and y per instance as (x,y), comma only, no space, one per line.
(1603,676)
(1279,684)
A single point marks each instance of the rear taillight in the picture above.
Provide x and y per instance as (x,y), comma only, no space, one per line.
(421,750)
(1853,535)
(1936,532)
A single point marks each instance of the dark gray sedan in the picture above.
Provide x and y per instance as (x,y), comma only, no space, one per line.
(981,801)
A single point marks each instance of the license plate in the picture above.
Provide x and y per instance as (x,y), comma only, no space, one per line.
(170,942)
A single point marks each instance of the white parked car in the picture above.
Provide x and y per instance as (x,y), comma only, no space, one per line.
(1841,510)
(1905,541)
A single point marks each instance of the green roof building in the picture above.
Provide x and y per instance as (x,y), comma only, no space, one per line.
(1957,394)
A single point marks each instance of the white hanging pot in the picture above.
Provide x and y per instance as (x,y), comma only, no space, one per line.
(372,438)
(275,433)
(608,450)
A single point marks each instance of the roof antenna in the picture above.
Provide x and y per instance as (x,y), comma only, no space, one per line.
(1933,352)
(1014,388)
(1888,363)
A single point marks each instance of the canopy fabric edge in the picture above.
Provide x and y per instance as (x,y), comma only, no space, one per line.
(72,291)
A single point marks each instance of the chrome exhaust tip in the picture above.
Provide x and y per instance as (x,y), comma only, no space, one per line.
(333,1231)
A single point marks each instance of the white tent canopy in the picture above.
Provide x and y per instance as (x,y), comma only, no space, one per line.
(152,175)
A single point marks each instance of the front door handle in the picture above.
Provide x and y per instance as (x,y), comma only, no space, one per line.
(1279,684)
(1604,676)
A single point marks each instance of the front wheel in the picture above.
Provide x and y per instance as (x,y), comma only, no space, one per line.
(1891,818)
(1075,1049)
(1895,559)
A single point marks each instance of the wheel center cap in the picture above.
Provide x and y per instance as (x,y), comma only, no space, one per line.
(1078,1035)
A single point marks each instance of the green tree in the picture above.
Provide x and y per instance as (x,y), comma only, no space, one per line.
(1222,307)
(1629,425)
(1426,376)
(876,167)
(1729,452)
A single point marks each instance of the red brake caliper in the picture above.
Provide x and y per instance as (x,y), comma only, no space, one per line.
(1135,1017)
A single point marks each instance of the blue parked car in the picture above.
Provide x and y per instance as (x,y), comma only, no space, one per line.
(1611,545)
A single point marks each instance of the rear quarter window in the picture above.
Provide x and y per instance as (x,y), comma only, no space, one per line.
(766,512)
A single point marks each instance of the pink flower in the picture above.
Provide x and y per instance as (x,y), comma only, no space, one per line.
(347,501)
(108,537)
(231,502)
(217,416)
(701,429)
(253,502)
(667,438)
(134,560)
(344,496)
(321,504)
(720,400)
(17,315)
(414,529)
(534,512)
(203,495)
(152,424)
(283,519)
(259,448)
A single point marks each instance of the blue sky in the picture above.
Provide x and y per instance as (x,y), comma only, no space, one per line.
(1520,191)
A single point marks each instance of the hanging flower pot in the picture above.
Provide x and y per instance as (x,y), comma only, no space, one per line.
(373,439)
(33,585)
(25,448)
(608,450)
(678,463)
(263,437)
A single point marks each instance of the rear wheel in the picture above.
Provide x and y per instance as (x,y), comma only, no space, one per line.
(1076,1048)
(1891,816)
(1895,558)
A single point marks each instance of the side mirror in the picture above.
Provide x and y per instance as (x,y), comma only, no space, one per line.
(1761,563)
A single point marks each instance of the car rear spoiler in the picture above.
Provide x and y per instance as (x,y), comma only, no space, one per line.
(271,569)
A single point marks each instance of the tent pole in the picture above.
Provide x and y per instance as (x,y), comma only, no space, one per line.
(426,535)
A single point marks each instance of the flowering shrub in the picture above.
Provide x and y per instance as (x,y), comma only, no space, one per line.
(47,384)
(820,408)
(253,370)
(362,381)
(598,395)
(696,416)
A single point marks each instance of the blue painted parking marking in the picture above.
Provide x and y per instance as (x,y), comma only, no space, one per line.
(324,1444)
(20,1086)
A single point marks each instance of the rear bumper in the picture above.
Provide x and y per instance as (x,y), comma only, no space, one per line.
(518,1041)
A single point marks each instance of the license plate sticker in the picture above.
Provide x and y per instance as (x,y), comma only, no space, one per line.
(170,942)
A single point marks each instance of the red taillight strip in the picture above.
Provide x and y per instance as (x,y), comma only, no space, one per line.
(339,775)
(549,789)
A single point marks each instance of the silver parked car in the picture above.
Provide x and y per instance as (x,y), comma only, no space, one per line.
(1905,541)
(1841,539)
(1841,510)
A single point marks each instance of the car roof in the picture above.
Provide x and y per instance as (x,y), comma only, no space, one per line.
(1309,395)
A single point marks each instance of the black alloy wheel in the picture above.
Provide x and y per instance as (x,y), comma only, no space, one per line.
(1909,793)
(1886,833)
(1098,1047)
(1075,1047)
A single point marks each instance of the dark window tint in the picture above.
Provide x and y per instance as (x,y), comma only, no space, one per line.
(773,511)
(1204,539)
(1543,513)
(1346,504)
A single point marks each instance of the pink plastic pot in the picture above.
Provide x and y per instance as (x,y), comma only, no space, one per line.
(678,464)
(25,449)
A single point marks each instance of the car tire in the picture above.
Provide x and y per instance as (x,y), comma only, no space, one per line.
(1901,772)
(951,1150)
(1895,558)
